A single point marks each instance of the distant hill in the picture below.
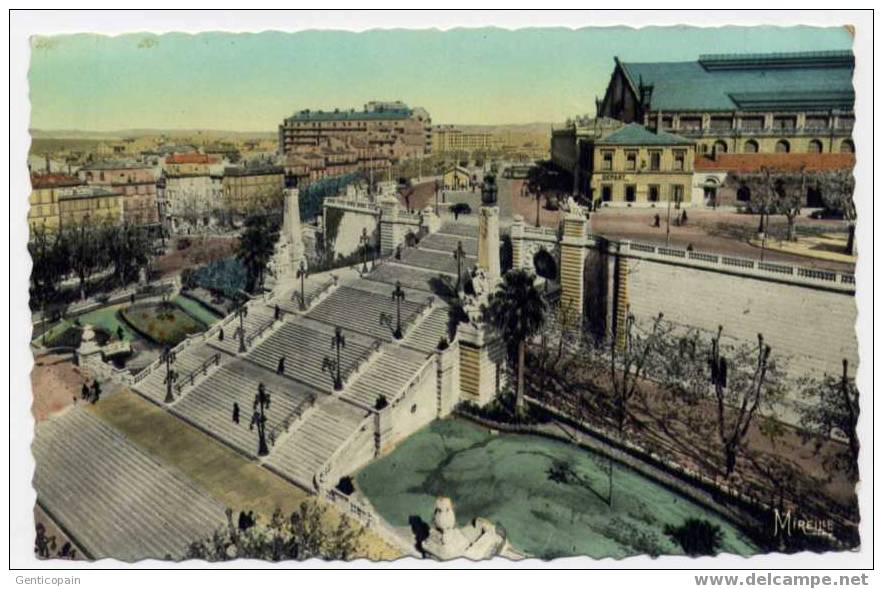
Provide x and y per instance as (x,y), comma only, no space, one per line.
(120,134)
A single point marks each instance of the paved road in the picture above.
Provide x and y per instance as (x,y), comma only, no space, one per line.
(722,232)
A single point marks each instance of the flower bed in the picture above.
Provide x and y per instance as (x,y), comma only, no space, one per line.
(162,323)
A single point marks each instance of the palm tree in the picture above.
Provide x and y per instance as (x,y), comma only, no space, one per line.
(517,310)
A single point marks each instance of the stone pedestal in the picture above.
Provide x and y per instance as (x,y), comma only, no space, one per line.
(489,241)
(290,247)
(429,220)
(573,258)
(446,541)
(391,231)
(448,378)
(482,363)
(291,224)
(516,234)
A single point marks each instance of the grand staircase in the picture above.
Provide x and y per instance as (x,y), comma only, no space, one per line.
(312,442)
(193,360)
(147,509)
(209,406)
(387,374)
(305,344)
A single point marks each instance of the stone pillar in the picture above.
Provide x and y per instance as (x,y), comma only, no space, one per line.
(291,224)
(391,234)
(482,364)
(489,241)
(621,295)
(573,262)
(429,220)
(382,431)
(448,378)
(516,234)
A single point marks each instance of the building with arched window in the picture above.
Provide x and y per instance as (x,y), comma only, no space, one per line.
(741,103)
(716,180)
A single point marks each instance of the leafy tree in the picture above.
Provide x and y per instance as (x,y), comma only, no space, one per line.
(833,409)
(49,265)
(256,247)
(837,189)
(697,537)
(128,250)
(85,253)
(304,534)
(517,310)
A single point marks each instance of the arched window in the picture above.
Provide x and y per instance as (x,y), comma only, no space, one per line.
(743,194)
(783,146)
(720,147)
(847,146)
(815,146)
(751,146)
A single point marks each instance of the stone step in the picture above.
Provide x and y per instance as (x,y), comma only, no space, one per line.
(314,440)
(147,509)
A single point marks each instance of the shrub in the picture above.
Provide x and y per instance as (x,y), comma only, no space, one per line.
(226,275)
(697,537)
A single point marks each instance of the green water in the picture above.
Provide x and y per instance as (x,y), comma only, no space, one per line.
(506,478)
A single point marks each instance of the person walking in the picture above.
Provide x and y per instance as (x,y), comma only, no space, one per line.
(656,220)
(280,369)
(235,412)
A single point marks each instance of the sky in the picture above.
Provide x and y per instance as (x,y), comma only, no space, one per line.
(251,81)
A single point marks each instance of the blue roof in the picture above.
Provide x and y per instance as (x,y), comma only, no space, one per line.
(635,134)
(748,82)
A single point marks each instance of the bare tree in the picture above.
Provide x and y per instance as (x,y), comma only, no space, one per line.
(743,380)
(833,409)
(630,363)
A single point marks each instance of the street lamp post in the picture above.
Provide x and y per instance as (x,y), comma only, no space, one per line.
(338,341)
(242,311)
(458,255)
(398,295)
(363,240)
(259,418)
(302,274)
(168,357)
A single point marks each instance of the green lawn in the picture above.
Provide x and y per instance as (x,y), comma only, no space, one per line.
(195,310)
(105,318)
(511,480)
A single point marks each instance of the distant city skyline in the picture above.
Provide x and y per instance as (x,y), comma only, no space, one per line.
(250,82)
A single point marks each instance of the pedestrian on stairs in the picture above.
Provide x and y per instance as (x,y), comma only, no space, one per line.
(276,313)
(221,334)
(280,369)
(235,412)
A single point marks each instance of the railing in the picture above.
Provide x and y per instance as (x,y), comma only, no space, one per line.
(354,203)
(190,379)
(326,286)
(292,416)
(259,331)
(354,507)
(798,274)
(328,465)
